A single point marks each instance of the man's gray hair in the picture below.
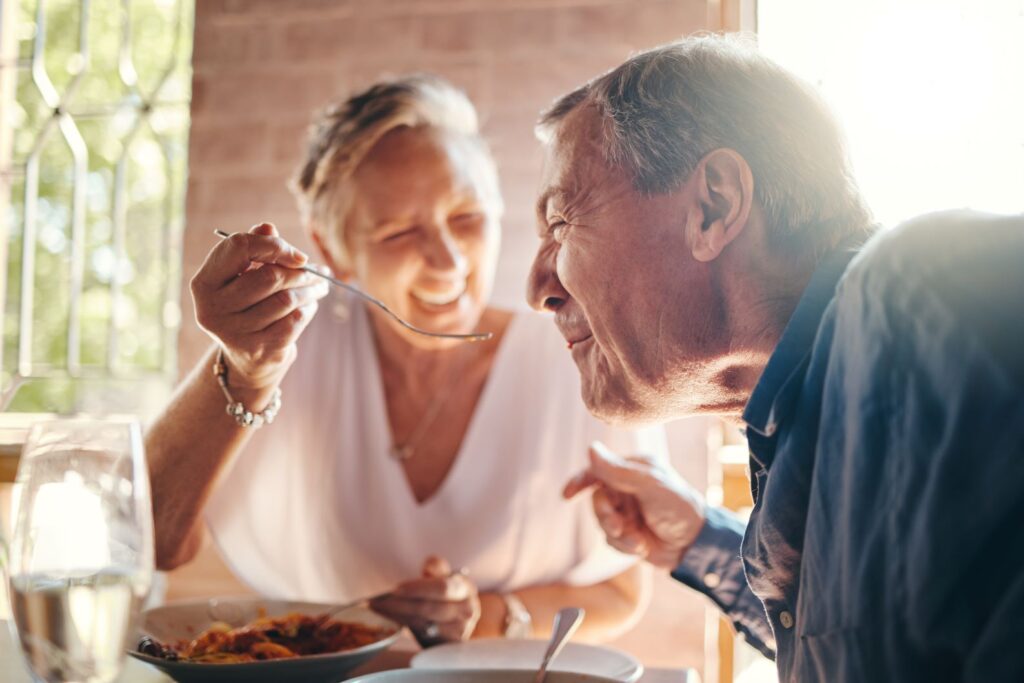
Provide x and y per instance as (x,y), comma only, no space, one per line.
(345,132)
(666,108)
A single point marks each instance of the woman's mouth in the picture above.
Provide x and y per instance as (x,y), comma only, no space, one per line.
(442,297)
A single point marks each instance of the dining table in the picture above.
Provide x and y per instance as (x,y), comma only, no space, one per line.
(12,668)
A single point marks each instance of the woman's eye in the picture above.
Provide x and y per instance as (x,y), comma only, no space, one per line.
(557,229)
(398,234)
(468,218)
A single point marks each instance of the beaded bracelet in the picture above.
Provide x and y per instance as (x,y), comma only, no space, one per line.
(242,415)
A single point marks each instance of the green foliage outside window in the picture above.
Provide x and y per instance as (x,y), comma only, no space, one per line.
(130,105)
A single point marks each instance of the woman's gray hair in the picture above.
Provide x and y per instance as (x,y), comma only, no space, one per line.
(666,108)
(345,132)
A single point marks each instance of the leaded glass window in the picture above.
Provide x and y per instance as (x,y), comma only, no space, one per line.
(93,160)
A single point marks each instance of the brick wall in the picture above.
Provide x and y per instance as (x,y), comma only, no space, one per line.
(262,66)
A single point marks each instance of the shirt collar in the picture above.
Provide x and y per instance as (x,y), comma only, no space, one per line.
(788,362)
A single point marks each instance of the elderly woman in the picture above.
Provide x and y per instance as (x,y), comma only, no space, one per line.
(390,447)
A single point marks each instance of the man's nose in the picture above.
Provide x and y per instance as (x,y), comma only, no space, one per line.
(544,290)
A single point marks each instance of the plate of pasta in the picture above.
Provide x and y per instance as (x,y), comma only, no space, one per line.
(256,640)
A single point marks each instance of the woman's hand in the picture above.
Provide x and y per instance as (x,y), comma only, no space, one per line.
(643,505)
(439,607)
(252,298)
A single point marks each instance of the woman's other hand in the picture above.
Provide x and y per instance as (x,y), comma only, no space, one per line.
(643,505)
(252,297)
(440,606)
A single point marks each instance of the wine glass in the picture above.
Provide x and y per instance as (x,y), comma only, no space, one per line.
(81,552)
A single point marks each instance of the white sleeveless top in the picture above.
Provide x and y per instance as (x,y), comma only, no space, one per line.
(315,508)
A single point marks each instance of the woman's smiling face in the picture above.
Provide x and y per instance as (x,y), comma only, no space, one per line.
(422,230)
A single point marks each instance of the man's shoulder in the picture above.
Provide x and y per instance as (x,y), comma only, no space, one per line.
(956,274)
(948,245)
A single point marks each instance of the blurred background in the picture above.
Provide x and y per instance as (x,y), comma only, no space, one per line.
(130,129)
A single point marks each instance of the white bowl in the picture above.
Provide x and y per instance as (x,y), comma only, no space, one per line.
(186,620)
(518,654)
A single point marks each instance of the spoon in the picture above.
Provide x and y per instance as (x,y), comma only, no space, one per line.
(567,621)
(310,268)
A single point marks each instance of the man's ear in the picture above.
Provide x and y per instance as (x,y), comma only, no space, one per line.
(725,190)
(327,257)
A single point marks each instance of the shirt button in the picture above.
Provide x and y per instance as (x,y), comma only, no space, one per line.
(786,619)
(712,580)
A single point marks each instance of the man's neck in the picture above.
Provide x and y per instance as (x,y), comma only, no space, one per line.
(759,295)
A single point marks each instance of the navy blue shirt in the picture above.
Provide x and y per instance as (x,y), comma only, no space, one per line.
(887,458)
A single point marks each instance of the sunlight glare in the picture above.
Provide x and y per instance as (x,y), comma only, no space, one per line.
(929,93)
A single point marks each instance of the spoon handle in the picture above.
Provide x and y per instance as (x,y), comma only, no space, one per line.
(567,621)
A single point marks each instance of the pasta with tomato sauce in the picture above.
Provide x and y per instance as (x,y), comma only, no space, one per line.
(294,635)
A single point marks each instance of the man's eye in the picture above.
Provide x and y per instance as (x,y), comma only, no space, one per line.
(558,229)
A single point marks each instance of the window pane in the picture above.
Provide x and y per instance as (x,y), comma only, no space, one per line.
(97,187)
(929,92)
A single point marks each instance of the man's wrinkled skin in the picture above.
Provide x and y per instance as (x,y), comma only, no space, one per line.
(671,305)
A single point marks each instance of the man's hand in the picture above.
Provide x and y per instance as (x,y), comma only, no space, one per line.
(643,505)
(440,606)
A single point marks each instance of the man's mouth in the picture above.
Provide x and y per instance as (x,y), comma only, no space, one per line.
(442,297)
(576,342)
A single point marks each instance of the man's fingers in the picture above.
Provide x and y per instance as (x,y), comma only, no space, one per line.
(631,543)
(579,483)
(617,472)
(436,567)
(608,516)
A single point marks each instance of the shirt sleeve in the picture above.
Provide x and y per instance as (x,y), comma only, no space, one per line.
(712,566)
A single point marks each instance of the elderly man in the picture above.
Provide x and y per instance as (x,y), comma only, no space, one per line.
(705,249)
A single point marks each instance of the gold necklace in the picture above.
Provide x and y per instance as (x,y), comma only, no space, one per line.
(405,451)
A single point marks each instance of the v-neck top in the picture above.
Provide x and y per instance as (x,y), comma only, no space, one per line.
(316,508)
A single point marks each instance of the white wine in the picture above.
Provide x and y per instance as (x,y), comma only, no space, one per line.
(76,630)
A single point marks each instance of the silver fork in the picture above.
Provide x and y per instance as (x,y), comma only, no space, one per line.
(310,268)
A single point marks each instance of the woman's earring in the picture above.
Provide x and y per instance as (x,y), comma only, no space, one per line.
(340,301)
(340,309)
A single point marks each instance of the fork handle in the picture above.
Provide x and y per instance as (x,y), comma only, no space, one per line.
(309,268)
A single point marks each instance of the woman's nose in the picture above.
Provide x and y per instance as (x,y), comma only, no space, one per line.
(544,291)
(444,253)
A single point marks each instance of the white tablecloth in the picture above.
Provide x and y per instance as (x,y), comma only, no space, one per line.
(12,669)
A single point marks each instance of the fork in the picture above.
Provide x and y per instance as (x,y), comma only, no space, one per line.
(310,268)
(229,612)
